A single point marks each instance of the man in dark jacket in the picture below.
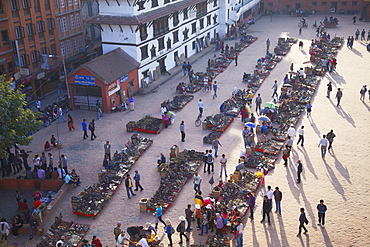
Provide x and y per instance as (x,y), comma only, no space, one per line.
(129,185)
(252,203)
(181,229)
(302,221)
(321,208)
(266,209)
(299,171)
(188,216)
(92,129)
(278,196)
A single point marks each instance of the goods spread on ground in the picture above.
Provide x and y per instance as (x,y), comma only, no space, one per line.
(149,124)
(71,232)
(174,176)
(216,123)
(92,200)
(178,102)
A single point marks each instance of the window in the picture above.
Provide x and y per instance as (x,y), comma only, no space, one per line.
(75,48)
(1,7)
(209,20)
(175,18)
(56,4)
(314,3)
(168,43)
(60,25)
(354,3)
(51,23)
(47,5)
(201,23)
(186,33)
(44,50)
(72,20)
(144,52)
(30,32)
(143,32)
(344,3)
(78,20)
(152,51)
(62,4)
(160,26)
(40,29)
(214,3)
(193,27)
(62,49)
(154,3)
(89,9)
(323,3)
(161,44)
(141,4)
(11,68)
(53,51)
(5,37)
(76,2)
(166,1)
(193,45)
(26,4)
(215,18)
(270,4)
(25,61)
(14,5)
(175,36)
(68,45)
(201,9)
(80,43)
(19,33)
(36,4)
(69,2)
(185,12)
(65,24)
(35,57)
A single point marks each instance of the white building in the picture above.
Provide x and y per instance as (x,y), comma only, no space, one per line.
(158,32)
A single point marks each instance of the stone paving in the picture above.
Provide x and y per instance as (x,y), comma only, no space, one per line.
(337,179)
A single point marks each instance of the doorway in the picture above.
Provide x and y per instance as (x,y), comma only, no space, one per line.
(186,51)
(162,65)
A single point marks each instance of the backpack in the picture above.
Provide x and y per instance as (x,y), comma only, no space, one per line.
(178,228)
(209,158)
(90,126)
(205,158)
(172,230)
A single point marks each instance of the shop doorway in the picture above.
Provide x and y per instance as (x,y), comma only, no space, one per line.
(85,97)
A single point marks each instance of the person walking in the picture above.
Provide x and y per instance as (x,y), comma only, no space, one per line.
(131,100)
(328,91)
(205,221)
(210,160)
(269,194)
(169,230)
(117,231)
(268,44)
(4,229)
(252,204)
(299,169)
(278,196)
(188,216)
(185,68)
(330,137)
(205,160)
(181,229)
(215,144)
(158,214)
(236,60)
(301,135)
(215,88)
(309,108)
(339,96)
(128,184)
(239,233)
(92,129)
(182,130)
(302,220)
(197,181)
(321,210)
(98,110)
(363,92)
(275,86)
(324,144)
(286,153)
(219,225)
(223,162)
(64,162)
(258,103)
(107,147)
(60,114)
(363,32)
(84,129)
(266,209)
(70,123)
(33,225)
(137,181)
(291,132)
(38,105)
(289,143)
(200,106)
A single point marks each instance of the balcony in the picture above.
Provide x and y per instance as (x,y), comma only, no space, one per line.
(240,8)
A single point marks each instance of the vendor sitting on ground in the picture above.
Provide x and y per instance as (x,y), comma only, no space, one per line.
(47,146)
(75,179)
(241,166)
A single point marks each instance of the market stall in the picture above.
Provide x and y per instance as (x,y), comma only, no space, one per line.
(149,124)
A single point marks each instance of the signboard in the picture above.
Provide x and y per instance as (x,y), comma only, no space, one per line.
(84,80)
(41,75)
(44,61)
(123,78)
(114,87)
(24,71)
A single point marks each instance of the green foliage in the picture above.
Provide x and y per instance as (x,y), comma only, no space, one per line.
(15,121)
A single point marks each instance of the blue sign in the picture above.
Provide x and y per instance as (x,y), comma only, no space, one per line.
(84,80)
(123,79)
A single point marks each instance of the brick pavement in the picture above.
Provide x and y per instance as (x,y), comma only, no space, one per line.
(333,177)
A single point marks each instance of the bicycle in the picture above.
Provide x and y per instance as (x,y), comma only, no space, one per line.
(304,25)
(198,122)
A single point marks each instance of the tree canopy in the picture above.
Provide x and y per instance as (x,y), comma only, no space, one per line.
(16,122)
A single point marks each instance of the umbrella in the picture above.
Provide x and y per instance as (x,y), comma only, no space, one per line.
(249,124)
(286,85)
(264,118)
(271,105)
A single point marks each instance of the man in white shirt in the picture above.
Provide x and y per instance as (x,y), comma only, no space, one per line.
(122,239)
(301,136)
(323,143)
(143,242)
(239,236)
(291,132)
(269,193)
(200,105)
(197,181)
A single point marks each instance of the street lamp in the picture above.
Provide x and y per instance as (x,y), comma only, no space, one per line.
(65,73)
(56,116)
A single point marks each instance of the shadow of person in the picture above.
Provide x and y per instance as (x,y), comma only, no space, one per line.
(307,236)
(313,125)
(303,52)
(284,239)
(301,240)
(307,161)
(343,114)
(356,52)
(368,108)
(291,178)
(340,168)
(326,238)
(334,180)
(267,227)
(254,237)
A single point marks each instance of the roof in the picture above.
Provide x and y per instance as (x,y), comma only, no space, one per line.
(111,66)
(155,13)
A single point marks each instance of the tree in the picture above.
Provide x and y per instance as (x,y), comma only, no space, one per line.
(16,122)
